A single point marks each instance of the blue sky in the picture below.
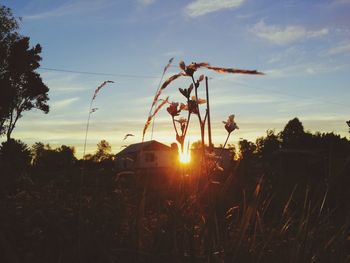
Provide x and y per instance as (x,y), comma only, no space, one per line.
(302,46)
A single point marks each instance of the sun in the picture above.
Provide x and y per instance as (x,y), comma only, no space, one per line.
(185,156)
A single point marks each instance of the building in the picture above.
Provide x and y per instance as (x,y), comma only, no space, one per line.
(150,155)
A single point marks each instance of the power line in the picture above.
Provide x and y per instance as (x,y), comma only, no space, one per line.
(100,73)
(158,77)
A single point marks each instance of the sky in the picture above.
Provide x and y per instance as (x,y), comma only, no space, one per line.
(303,47)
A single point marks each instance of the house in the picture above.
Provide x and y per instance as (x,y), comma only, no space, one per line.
(150,155)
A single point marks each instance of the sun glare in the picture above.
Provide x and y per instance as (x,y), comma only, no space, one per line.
(185,156)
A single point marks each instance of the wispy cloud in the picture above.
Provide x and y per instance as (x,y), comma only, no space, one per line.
(246,99)
(202,7)
(64,103)
(285,35)
(71,8)
(340,49)
(302,70)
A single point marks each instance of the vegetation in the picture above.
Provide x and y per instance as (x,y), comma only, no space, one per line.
(21,87)
(284,198)
(264,212)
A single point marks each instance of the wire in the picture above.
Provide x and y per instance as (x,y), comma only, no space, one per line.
(157,77)
(100,73)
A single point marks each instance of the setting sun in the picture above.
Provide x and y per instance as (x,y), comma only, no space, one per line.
(185,156)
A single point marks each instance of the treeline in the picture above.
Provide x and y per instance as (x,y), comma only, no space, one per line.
(286,195)
(43,163)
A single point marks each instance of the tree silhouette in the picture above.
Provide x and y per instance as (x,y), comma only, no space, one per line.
(103,152)
(8,34)
(21,88)
(246,149)
(15,159)
(293,134)
(268,145)
(47,158)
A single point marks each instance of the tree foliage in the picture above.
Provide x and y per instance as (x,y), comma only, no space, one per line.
(103,152)
(47,158)
(21,87)
(246,149)
(265,146)
(293,134)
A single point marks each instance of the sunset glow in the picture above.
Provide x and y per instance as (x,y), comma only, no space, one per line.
(185,156)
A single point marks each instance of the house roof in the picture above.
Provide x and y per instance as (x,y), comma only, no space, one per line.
(145,146)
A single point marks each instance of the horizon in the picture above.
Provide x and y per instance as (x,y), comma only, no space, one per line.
(302,47)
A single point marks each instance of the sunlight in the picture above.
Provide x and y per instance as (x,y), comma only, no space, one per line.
(185,156)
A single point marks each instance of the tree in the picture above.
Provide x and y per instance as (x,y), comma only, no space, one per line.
(15,158)
(47,158)
(293,134)
(268,145)
(103,153)
(8,34)
(246,149)
(21,88)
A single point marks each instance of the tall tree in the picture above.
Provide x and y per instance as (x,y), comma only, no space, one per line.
(104,150)
(293,134)
(8,34)
(21,87)
(246,149)
(268,145)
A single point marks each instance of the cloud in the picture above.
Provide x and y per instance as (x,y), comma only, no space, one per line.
(64,103)
(244,99)
(302,70)
(285,35)
(72,8)
(340,49)
(202,7)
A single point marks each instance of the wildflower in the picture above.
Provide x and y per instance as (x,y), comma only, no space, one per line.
(186,92)
(193,106)
(183,106)
(173,110)
(183,123)
(230,124)
(199,100)
(201,78)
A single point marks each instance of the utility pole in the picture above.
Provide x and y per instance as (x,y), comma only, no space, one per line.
(208,112)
